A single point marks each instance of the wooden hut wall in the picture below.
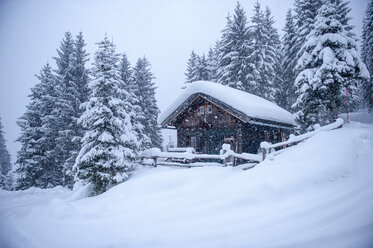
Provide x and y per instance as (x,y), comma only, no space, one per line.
(206,126)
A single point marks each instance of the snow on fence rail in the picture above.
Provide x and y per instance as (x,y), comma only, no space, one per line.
(226,155)
(266,147)
(187,156)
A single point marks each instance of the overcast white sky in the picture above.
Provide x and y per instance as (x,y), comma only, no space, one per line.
(165,31)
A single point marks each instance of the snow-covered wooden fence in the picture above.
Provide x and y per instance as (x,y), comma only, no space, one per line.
(267,147)
(189,158)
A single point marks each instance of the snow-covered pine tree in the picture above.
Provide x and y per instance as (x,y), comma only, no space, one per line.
(197,68)
(306,11)
(36,161)
(343,16)
(143,81)
(329,61)
(305,14)
(69,107)
(27,168)
(202,68)
(234,48)
(80,78)
(285,96)
(265,56)
(367,55)
(212,62)
(133,107)
(5,164)
(191,71)
(107,153)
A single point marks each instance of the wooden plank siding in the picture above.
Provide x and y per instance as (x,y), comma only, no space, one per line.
(206,124)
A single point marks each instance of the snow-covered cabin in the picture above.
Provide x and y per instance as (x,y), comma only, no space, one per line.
(208,114)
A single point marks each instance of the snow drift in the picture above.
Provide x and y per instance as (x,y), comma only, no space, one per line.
(316,194)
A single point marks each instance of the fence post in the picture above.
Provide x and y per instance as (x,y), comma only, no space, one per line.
(264,153)
(155,161)
(229,160)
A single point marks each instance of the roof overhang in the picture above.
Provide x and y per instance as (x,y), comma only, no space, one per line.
(234,112)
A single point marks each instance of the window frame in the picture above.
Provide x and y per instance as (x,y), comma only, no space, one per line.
(209,108)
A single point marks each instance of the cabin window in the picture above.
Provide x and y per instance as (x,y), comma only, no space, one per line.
(201,110)
(209,108)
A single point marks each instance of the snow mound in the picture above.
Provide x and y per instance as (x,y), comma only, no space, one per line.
(316,194)
(249,104)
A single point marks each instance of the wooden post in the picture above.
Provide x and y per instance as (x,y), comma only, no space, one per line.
(155,161)
(264,153)
(229,161)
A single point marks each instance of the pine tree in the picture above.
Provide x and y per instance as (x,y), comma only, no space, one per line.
(306,11)
(353,94)
(5,164)
(79,93)
(285,96)
(234,48)
(27,169)
(69,105)
(343,16)
(36,161)
(328,63)
(212,63)
(202,68)
(197,68)
(266,43)
(145,93)
(305,14)
(191,71)
(133,107)
(107,154)
(367,55)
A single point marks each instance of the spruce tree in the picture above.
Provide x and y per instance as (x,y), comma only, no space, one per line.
(145,94)
(367,56)
(285,96)
(305,14)
(202,68)
(79,93)
(234,49)
(353,94)
(69,103)
(133,107)
(306,11)
(107,153)
(212,63)
(328,63)
(191,71)
(36,163)
(265,56)
(197,68)
(5,164)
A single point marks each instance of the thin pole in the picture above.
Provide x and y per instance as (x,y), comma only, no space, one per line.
(348,119)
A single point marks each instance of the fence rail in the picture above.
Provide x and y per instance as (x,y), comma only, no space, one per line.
(187,157)
(193,159)
(267,147)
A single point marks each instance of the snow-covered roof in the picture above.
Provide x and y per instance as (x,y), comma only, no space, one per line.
(251,105)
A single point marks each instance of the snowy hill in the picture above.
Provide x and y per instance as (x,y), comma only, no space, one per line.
(316,194)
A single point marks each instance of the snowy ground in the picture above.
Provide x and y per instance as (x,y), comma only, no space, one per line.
(316,194)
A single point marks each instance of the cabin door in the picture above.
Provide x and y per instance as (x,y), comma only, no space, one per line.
(216,138)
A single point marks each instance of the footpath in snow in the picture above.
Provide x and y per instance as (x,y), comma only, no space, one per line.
(316,194)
